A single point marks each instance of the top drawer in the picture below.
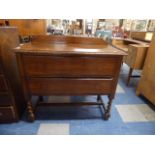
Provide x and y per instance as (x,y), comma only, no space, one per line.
(70,66)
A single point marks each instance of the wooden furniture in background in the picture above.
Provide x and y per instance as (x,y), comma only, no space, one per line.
(136,53)
(2,22)
(11,97)
(135,58)
(28,27)
(120,44)
(59,65)
(146,85)
(143,36)
(123,44)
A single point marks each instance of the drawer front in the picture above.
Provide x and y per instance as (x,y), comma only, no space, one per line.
(70,86)
(7,114)
(59,66)
(3,85)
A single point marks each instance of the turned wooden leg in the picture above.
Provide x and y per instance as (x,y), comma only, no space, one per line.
(108,109)
(129,76)
(31,116)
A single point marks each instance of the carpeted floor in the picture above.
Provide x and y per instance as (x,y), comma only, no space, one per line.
(130,115)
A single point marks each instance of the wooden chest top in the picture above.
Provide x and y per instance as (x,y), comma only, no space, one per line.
(73,46)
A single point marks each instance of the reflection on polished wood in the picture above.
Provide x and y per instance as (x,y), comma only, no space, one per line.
(65,65)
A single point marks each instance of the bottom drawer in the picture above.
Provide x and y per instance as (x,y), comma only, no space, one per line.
(70,86)
(7,114)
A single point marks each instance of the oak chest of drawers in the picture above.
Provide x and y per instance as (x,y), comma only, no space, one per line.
(68,66)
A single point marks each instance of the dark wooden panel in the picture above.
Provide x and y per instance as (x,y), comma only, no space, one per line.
(5,100)
(3,85)
(0,67)
(7,114)
(9,39)
(59,66)
(70,86)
